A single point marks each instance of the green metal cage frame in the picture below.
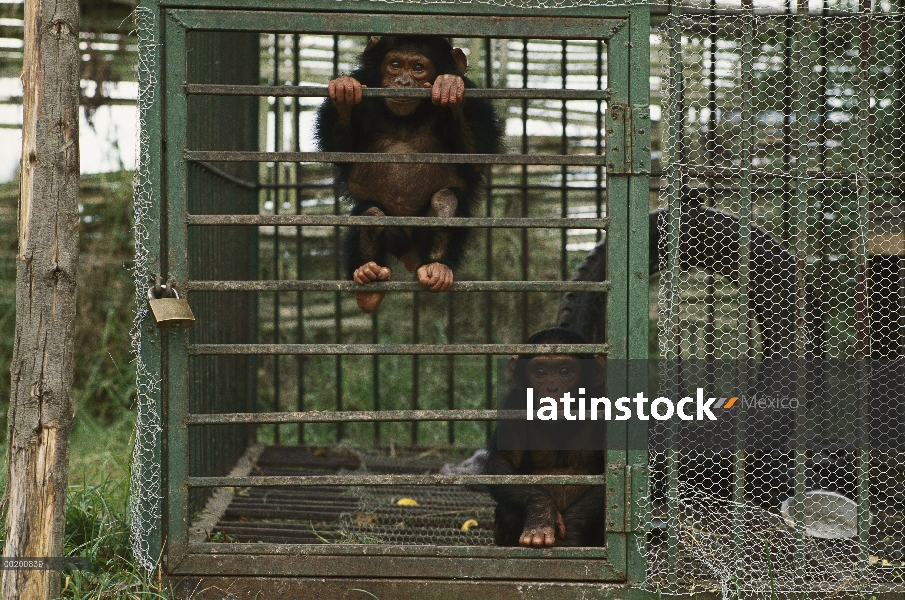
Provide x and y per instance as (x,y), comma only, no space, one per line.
(627,163)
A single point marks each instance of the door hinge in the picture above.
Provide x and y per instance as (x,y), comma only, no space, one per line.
(628,139)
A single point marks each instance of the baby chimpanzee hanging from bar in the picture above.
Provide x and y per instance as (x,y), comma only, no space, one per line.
(449,122)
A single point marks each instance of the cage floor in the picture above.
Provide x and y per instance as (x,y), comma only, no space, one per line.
(407,515)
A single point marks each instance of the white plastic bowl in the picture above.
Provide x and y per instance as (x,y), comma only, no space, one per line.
(827,515)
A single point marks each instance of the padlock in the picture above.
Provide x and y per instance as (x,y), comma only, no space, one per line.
(171,313)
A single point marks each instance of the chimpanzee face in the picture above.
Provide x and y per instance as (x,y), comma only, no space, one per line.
(553,375)
(406,68)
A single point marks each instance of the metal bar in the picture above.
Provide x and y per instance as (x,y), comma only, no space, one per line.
(392,286)
(416,364)
(450,369)
(388,24)
(355,416)
(299,243)
(744,316)
(523,180)
(175,376)
(151,237)
(359,221)
(277,146)
(396,550)
(587,160)
(598,141)
(375,375)
(863,295)
(673,352)
(415,349)
(635,490)
(321,92)
(563,170)
(488,258)
(337,270)
(794,137)
(315,480)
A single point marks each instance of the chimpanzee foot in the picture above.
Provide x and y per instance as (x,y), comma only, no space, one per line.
(540,532)
(369,301)
(436,277)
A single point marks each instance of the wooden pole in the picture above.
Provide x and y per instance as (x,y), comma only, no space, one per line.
(40,413)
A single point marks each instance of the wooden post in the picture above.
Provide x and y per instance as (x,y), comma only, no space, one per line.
(40,413)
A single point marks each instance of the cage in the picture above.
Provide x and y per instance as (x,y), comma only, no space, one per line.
(290,445)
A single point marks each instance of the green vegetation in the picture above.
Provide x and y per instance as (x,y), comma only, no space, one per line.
(97,517)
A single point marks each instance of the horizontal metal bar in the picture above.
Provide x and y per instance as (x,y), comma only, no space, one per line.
(588,160)
(354,416)
(311,91)
(313,480)
(381,23)
(359,221)
(394,286)
(370,349)
(397,550)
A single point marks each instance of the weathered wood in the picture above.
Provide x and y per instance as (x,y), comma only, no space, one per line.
(40,414)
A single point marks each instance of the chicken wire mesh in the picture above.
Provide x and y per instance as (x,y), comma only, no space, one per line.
(145,484)
(818,200)
(782,135)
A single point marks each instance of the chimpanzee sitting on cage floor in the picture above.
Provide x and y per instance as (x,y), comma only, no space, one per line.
(550,515)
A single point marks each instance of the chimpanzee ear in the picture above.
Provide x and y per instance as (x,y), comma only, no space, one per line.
(600,375)
(371,42)
(461,61)
(513,373)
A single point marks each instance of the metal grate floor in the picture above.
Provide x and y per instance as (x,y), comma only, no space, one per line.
(406,515)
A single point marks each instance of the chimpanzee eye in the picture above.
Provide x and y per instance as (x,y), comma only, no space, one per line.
(540,372)
(419,68)
(565,372)
(394,64)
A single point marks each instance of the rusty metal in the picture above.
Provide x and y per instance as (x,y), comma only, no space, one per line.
(416,349)
(587,160)
(394,286)
(358,221)
(381,480)
(360,416)
(286,91)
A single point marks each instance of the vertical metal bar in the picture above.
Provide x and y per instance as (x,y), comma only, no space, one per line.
(710,142)
(523,297)
(744,319)
(450,368)
(638,282)
(277,146)
(617,243)
(337,274)
(176,365)
(598,145)
(862,316)
(673,134)
(416,364)
(787,109)
(563,171)
(375,374)
(797,81)
(299,241)
(488,258)
(152,345)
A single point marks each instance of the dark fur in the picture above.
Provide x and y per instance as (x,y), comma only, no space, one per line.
(372,118)
(582,507)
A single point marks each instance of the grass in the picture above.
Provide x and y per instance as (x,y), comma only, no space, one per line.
(97,511)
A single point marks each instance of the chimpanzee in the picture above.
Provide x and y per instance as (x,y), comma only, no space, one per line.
(448,123)
(561,515)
